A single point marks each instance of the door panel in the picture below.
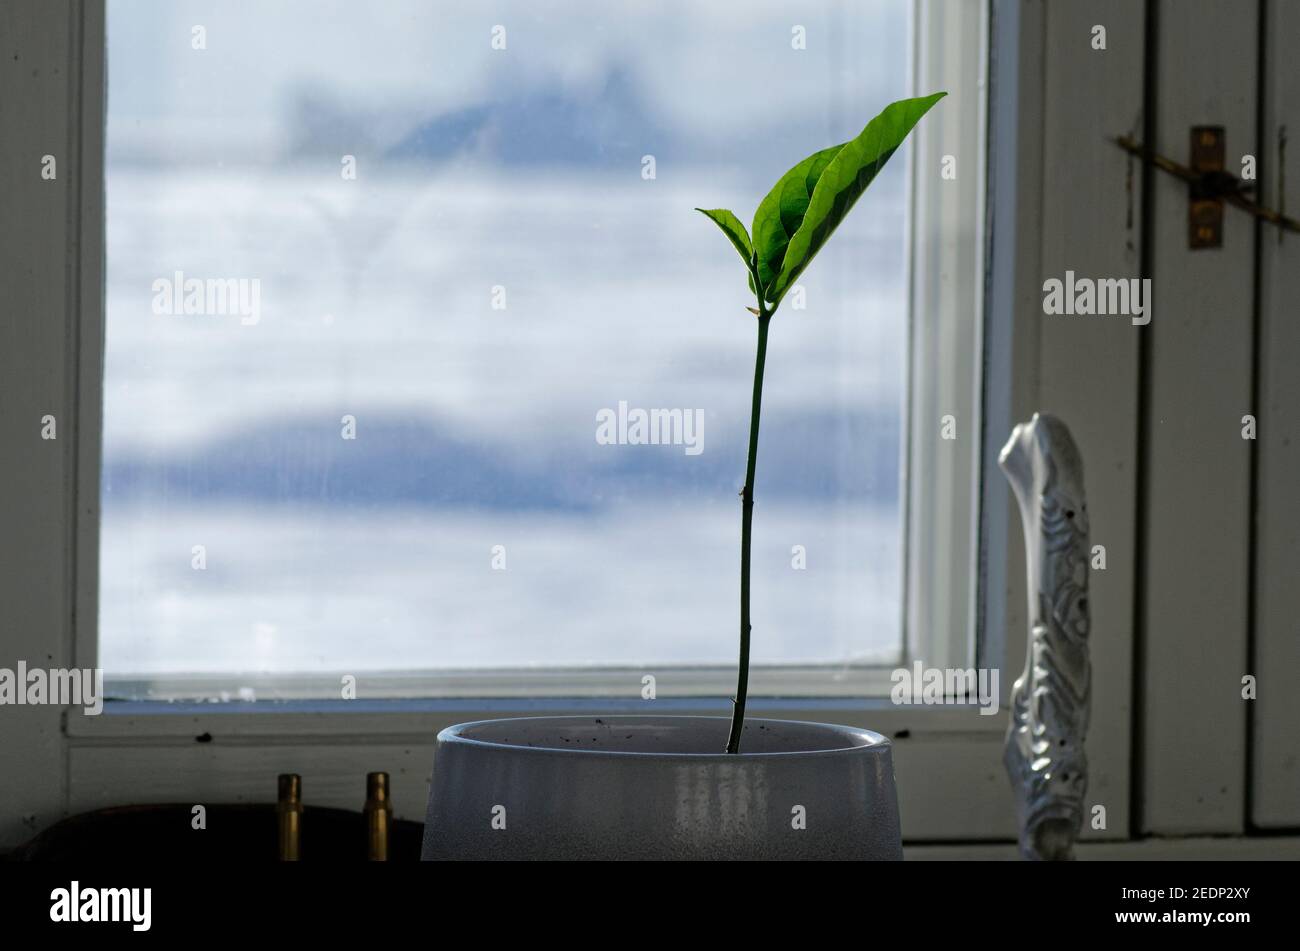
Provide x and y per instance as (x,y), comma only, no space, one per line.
(1198,467)
(1275,773)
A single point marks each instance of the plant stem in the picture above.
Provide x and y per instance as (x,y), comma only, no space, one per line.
(746,525)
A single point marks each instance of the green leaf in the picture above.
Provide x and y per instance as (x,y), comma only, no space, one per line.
(779,214)
(799,215)
(733,229)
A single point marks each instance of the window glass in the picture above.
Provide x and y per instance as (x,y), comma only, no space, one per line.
(378,272)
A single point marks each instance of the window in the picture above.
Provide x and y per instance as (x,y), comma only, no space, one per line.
(375,274)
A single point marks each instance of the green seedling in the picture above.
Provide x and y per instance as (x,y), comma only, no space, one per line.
(792,224)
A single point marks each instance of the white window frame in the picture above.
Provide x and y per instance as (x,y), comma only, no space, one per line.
(944,281)
(946,303)
(939,602)
(231,752)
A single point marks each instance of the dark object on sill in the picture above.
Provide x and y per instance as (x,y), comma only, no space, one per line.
(288,815)
(379,816)
(234,833)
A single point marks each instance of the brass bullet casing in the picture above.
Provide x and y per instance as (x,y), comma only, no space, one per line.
(288,811)
(379,816)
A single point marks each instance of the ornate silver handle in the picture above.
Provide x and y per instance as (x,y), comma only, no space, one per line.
(1044,753)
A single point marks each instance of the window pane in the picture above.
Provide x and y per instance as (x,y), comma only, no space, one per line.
(372,282)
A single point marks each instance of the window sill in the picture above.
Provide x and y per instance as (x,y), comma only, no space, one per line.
(1198,849)
(612,683)
(396,718)
(232,752)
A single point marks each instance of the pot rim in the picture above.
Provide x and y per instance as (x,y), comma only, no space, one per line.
(869,742)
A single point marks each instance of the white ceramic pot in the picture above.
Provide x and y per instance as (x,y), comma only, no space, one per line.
(659,787)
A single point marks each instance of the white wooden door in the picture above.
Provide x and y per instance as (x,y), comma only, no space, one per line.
(1274,793)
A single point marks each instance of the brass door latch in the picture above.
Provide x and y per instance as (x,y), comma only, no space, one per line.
(1209,186)
(1205,197)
